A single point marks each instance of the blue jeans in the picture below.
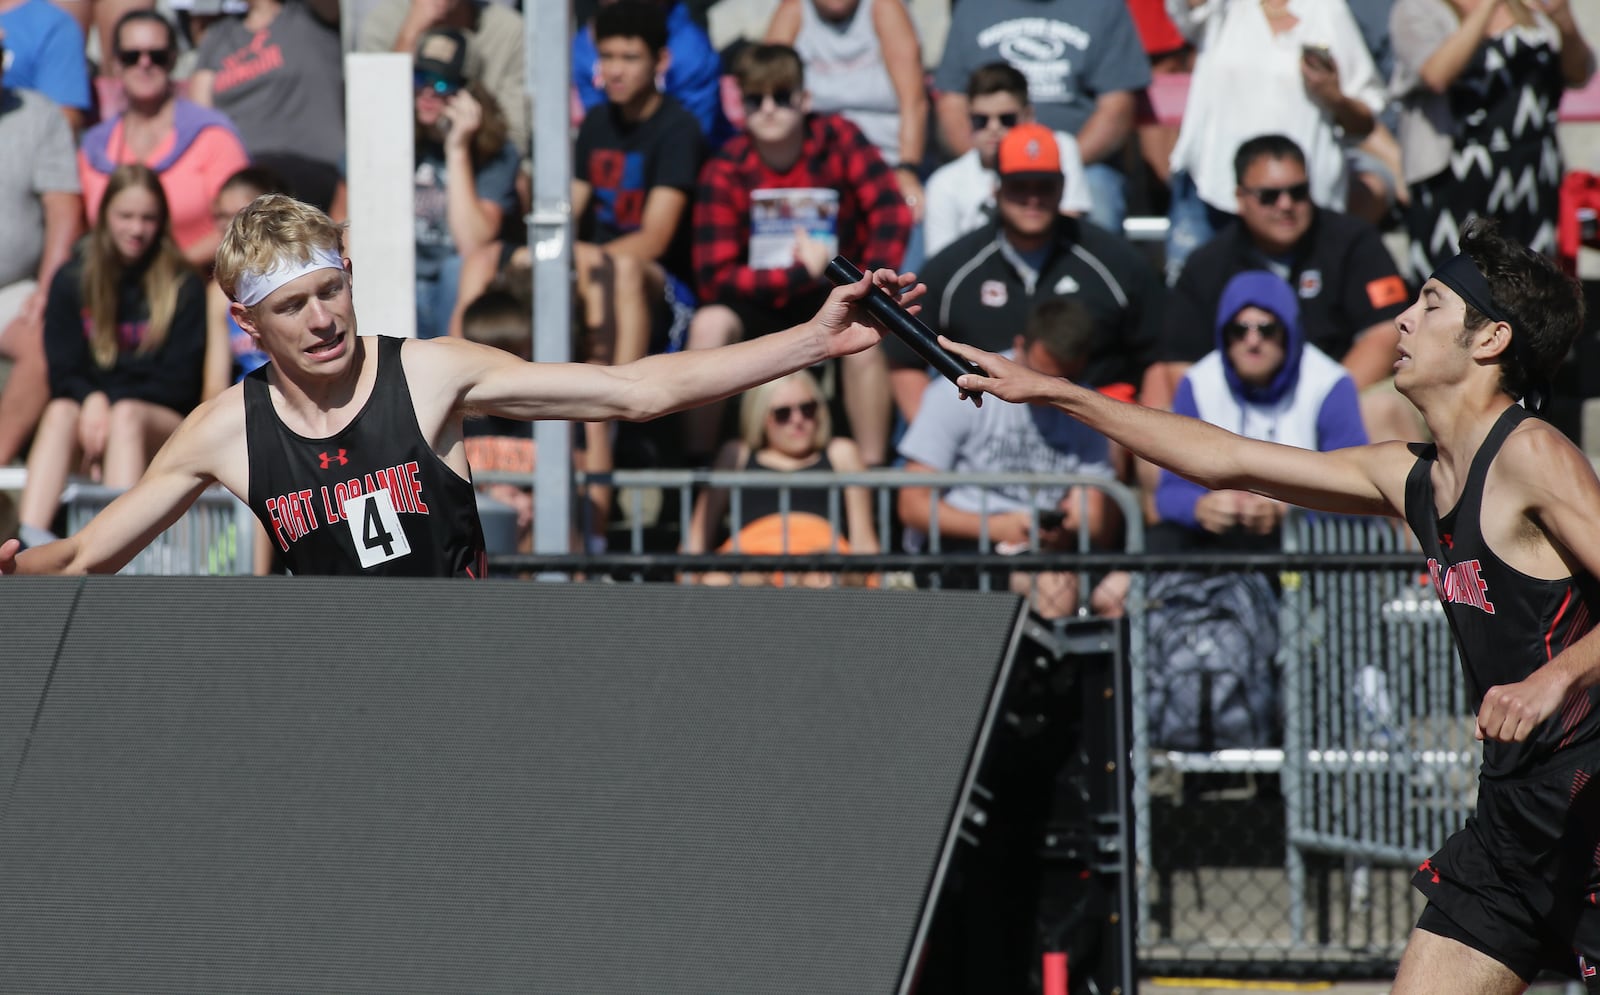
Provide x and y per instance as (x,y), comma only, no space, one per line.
(916,251)
(1108,195)
(1191,223)
(436,299)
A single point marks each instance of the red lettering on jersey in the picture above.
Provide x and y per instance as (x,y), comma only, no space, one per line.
(335,501)
(293,515)
(368,485)
(413,479)
(402,487)
(280,529)
(1461,584)
(389,481)
(306,511)
(330,511)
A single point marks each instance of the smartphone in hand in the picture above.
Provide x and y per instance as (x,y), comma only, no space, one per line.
(1318,55)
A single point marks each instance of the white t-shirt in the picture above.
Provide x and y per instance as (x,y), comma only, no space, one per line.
(960,194)
(952,436)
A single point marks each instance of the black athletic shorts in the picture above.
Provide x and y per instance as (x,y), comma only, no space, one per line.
(1521,882)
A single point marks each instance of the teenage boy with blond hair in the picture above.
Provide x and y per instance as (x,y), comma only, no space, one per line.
(349,449)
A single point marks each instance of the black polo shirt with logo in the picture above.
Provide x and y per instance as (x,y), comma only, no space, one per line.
(1341,271)
(980,291)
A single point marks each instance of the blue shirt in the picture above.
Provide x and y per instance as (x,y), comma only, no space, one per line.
(44,53)
(694,79)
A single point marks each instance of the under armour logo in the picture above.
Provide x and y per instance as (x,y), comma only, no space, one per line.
(327,461)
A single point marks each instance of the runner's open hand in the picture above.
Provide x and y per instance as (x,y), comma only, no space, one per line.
(1005,379)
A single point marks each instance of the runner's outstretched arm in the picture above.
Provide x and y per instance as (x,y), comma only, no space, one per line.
(179,472)
(1361,480)
(492,381)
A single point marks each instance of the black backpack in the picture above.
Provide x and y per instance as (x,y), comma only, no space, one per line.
(1212,643)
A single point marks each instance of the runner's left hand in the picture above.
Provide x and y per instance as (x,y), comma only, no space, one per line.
(1510,712)
(844,322)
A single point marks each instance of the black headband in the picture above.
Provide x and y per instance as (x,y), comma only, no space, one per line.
(1462,275)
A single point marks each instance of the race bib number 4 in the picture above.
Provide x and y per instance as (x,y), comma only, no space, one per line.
(375,527)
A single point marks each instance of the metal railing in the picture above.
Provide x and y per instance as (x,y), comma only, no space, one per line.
(215,537)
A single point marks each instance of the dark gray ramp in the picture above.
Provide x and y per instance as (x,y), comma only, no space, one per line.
(347,787)
(33,618)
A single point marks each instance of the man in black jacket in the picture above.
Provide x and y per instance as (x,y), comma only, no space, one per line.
(982,287)
(1347,284)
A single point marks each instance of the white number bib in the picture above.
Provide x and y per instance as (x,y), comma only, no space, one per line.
(375,527)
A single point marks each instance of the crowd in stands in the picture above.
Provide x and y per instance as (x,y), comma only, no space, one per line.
(1328,153)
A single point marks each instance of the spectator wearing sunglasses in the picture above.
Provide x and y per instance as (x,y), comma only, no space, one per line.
(785,427)
(41,46)
(773,206)
(193,149)
(278,73)
(983,286)
(1348,287)
(494,33)
(863,61)
(1085,67)
(464,179)
(1262,380)
(961,192)
(1266,67)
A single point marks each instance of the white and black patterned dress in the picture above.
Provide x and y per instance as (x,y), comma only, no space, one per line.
(1505,164)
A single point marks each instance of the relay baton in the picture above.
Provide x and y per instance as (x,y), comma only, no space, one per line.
(891,314)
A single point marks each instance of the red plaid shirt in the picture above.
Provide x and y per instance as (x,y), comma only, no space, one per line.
(873,224)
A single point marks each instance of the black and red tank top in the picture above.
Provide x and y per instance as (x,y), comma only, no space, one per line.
(1506,624)
(373,500)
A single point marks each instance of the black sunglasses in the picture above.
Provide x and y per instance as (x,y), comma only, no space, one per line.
(782,413)
(1269,196)
(1270,331)
(780,98)
(433,81)
(982,121)
(159,57)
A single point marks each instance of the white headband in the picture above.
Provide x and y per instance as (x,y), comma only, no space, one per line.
(253,287)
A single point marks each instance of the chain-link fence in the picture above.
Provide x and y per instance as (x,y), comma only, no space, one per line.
(1288,851)
(1297,856)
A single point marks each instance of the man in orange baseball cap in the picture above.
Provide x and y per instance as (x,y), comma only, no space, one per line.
(1030,186)
(1030,148)
(982,286)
